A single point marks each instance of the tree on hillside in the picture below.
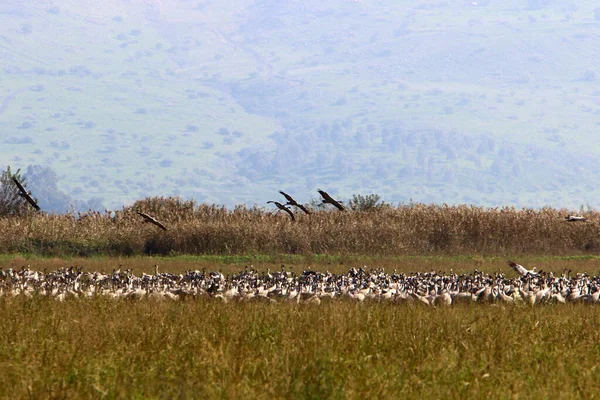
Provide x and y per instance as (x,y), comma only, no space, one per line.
(11,203)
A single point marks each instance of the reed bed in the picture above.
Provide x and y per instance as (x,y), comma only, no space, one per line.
(414,229)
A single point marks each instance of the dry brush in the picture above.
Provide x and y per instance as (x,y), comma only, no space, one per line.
(413,229)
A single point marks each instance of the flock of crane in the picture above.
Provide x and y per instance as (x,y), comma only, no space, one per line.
(326,199)
(428,288)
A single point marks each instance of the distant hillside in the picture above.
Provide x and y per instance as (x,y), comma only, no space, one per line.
(481,102)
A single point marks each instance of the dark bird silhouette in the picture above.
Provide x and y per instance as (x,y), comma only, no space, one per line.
(148,218)
(283,208)
(328,199)
(575,218)
(26,194)
(292,202)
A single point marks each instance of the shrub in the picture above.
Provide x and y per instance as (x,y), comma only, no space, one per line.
(11,203)
(366,203)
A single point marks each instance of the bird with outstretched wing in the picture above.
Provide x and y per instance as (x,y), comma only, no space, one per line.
(292,202)
(330,200)
(24,193)
(575,218)
(521,270)
(152,220)
(283,208)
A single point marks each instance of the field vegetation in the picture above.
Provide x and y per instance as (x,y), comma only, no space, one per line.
(412,229)
(102,348)
(204,348)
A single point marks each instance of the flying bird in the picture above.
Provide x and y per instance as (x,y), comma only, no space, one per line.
(292,202)
(328,199)
(26,194)
(575,218)
(148,218)
(283,208)
(521,270)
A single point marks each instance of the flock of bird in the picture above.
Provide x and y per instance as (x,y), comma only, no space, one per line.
(326,199)
(428,288)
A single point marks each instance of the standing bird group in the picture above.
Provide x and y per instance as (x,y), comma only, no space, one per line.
(429,289)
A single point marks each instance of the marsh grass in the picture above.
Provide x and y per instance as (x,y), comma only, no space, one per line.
(414,229)
(206,349)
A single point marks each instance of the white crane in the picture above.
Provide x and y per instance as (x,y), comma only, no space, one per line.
(521,270)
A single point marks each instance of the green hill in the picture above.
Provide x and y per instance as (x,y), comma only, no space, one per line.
(482,102)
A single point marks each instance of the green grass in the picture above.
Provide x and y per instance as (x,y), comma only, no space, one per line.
(298,263)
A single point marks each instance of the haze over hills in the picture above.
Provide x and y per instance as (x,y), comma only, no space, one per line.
(482,102)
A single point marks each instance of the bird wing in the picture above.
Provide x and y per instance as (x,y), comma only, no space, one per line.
(157,223)
(328,199)
(283,208)
(25,194)
(338,205)
(21,188)
(518,268)
(287,210)
(300,206)
(153,220)
(325,195)
(289,198)
(146,216)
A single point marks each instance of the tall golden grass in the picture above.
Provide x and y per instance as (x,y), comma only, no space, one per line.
(414,229)
(97,348)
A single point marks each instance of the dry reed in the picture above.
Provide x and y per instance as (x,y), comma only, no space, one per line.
(414,229)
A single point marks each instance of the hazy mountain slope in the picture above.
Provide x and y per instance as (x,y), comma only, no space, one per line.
(493,102)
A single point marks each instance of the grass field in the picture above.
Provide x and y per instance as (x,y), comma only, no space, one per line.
(208,349)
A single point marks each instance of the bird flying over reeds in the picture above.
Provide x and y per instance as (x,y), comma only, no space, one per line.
(292,202)
(283,208)
(330,200)
(152,220)
(575,218)
(24,193)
